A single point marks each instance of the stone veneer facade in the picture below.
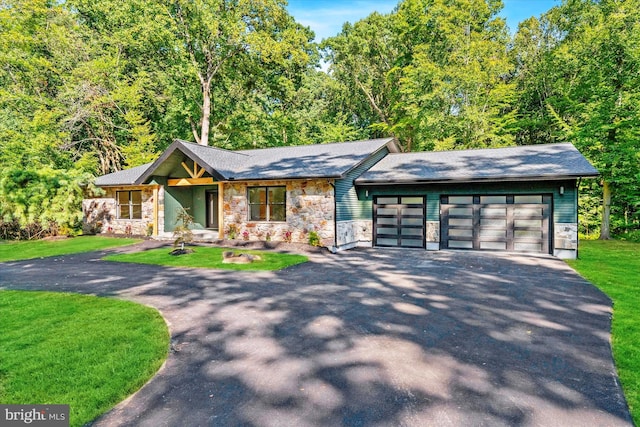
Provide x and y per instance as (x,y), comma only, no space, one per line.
(565,240)
(310,206)
(354,233)
(100,213)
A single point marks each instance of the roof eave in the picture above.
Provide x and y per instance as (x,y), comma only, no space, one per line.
(476,180)
(281,178)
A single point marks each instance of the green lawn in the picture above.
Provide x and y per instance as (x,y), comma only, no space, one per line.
(15,251)
(614,267)
(209,257)
(84,351)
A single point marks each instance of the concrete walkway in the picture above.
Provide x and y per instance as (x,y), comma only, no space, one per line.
(364,338)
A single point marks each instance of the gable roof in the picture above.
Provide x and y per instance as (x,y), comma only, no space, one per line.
(547,161)
(123,177)
(292,162)
(308,161)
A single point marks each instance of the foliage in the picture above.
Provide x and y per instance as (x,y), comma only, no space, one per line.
(232,231)
(433,73)
(94,87)
(182,233)
(45,359)
(210,257)
(44,202)
(614,267)
(579,82)
(15,251)
(314,239)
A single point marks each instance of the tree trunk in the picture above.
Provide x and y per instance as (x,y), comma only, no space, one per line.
(206,112)
(605,233)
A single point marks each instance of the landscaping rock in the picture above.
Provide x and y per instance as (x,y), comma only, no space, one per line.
(230,257)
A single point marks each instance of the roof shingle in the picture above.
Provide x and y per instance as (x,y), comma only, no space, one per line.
(547,161)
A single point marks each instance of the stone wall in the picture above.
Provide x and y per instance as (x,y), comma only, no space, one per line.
(354,233)
(433,235)
(100,214)
(310,207)
(565,240)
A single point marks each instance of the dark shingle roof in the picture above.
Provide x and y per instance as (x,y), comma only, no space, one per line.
(123,177)
(307,161)
(548,161)
(303,161)
(294,162)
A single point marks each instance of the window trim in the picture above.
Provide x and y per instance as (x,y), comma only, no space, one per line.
(130,205)
(266,204)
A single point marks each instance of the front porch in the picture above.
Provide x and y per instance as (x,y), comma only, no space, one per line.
(202,236)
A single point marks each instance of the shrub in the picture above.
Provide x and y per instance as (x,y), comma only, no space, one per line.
(232,231)
(40,203)
(182,233)
(314,239)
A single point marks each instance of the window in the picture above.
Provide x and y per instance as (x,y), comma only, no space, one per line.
(267,204)
(129,204)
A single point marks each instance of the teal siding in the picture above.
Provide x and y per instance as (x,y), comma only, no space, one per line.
(564,206)
(351,203)
(191,198)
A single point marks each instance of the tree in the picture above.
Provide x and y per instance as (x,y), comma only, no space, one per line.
(434,73)
(596,93)
(227,41)
(360,58)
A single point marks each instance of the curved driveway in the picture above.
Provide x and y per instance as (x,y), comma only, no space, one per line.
(364,338)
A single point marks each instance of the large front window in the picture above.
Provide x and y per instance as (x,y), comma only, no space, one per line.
(267,203)
(129,204)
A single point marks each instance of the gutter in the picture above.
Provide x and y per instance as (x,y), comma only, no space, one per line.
(391,181)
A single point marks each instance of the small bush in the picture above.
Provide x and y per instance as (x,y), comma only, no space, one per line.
(232,231)
(182,234)
(630,235)
(314,239)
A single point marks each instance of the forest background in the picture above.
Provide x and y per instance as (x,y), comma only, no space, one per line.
(89,87)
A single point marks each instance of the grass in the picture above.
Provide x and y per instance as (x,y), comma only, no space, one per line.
(15,251)
(85,351)
(210,257)
(614,267)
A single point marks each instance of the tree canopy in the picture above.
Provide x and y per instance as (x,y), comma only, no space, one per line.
(90,87)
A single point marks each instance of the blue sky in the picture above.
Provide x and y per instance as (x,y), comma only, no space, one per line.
(325,17)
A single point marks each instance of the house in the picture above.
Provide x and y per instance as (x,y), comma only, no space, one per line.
(362,193)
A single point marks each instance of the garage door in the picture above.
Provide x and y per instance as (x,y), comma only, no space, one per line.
(516,223)
(399,221)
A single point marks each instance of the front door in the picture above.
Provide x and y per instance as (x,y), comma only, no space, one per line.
(212,209)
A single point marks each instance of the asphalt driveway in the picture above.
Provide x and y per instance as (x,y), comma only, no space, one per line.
(364,338)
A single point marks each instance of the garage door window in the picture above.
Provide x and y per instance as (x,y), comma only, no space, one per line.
(496,222)
(399,221)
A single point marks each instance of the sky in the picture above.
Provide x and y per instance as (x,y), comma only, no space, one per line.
(325,17)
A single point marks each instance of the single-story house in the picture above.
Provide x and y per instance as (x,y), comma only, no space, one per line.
(362,193)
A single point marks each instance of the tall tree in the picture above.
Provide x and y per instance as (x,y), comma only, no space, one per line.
(596,93)
(434,73)
(360,58)
(229,40)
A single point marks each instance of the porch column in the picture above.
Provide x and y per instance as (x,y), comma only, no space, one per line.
(155,210)
(220,210)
